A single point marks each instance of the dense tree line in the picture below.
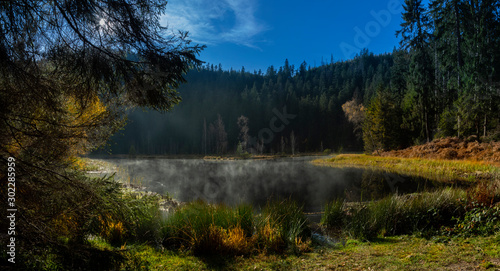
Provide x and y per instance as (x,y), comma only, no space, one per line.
(215,98)
(442,81)
(445,80)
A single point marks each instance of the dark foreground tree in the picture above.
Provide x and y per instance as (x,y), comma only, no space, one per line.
(68,70)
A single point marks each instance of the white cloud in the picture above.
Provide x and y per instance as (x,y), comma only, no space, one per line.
(215,21)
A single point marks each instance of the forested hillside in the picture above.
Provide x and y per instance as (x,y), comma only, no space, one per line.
(443,81)
(313,96)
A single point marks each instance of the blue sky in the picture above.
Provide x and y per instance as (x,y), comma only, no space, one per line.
(258,33)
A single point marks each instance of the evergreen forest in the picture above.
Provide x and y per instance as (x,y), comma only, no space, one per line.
(441,81)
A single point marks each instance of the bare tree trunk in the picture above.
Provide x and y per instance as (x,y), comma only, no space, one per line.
(205,136)
(282,145)
(484,125)
(292,142)
(427,126)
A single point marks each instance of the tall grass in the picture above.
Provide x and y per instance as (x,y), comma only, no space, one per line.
(398,214)
(419,213)
(145,218)
(131,217)
(333,215)
(209,229)
(283,226)
(135,218)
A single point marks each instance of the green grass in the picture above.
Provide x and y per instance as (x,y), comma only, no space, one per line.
(423,213)
(132,234)
(209,229)
(283,226)
(438,170)
(142,257)
(390,253)
(333,215)
(215,229)
(200,236)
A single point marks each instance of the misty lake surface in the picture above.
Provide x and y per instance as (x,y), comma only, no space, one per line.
(256,181)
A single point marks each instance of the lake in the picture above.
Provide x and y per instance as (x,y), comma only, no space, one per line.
(255,181)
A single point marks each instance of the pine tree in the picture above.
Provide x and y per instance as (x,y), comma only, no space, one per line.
(448,17)
(479,98)
(415,37)
(220,135)
(68,72)
(243,125)
(382,118)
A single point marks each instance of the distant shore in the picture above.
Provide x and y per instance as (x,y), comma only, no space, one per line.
(207,157)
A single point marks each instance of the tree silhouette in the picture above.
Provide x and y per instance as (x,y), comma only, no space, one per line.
(68,71)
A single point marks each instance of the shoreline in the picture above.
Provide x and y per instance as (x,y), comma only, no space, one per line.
(435,169)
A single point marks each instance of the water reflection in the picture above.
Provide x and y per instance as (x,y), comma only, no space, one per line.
(254,181)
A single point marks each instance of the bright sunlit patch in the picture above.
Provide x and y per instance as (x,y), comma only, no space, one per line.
(102,22)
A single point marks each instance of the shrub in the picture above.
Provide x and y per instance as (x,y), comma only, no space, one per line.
(242,153)
(479,220)
(484,193)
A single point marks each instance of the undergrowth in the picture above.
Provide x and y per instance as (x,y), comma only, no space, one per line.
(448,212)
(121,219)
(207,229)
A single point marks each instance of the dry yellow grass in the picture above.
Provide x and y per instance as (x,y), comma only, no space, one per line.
(434,169)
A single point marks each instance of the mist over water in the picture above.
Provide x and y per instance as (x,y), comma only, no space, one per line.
(256,181)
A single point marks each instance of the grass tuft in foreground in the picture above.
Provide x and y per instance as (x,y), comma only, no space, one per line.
(210,229)
(207,229)
(283,226)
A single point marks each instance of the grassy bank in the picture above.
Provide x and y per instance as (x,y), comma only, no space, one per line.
(393,253)
(200,236)
(433,169)
(445,229)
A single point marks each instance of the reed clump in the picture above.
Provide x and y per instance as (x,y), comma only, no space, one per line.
(207,229)
(397,214)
